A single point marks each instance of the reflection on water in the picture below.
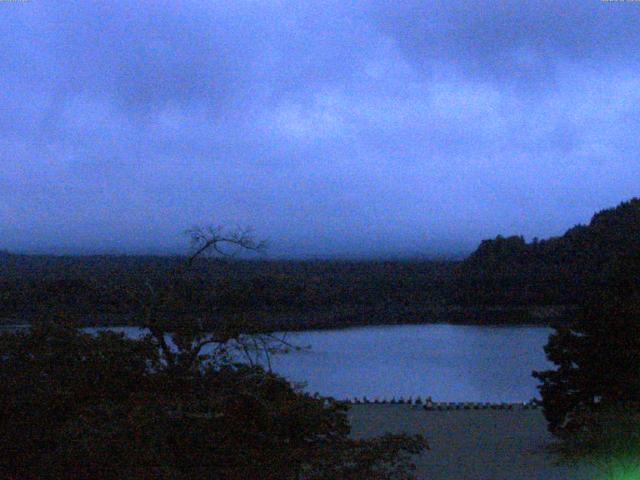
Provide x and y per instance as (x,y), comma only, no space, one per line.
(450,363)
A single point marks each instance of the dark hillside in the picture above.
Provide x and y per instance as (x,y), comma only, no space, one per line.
(555,271)
(502,273)
(316,293)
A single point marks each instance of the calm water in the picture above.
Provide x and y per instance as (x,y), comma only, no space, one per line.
(450,363)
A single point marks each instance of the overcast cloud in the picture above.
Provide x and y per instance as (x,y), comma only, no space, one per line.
(331,127)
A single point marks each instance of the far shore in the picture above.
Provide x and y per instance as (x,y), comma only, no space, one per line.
(348,317)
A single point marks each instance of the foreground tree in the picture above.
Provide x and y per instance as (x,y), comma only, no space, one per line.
(173,404)
(597,356)
(592,399)
(609,440)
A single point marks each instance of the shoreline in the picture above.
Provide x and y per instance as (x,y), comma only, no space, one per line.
(347,317)
(472,444)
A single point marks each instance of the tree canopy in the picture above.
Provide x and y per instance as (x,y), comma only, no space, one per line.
(597,356)
(172,404)
(559,270)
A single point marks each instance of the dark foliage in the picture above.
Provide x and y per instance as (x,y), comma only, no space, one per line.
(174,404)
(278,294)
(560,270)
(597,357)
(609,440)
(76,405)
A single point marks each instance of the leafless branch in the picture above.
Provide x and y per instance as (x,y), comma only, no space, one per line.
(214,240)
(190,343)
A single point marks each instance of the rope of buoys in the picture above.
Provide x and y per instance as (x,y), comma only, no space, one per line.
(429,404)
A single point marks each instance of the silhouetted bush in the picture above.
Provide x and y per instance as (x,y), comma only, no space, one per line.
(597,357)
(75,405)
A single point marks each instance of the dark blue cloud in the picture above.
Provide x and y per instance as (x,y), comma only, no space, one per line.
(333,128)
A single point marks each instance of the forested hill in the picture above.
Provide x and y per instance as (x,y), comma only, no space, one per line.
(508,270)
(318,294)
(289,294)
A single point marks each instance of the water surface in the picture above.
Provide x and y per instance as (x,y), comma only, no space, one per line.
(447,362)
(450,363)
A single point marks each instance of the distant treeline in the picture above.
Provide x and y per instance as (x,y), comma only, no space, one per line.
(120,286)
(560,270)
(501,282)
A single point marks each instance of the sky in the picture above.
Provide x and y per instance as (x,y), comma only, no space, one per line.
(343,128)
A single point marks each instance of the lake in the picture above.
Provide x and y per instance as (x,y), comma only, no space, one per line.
(450,363)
